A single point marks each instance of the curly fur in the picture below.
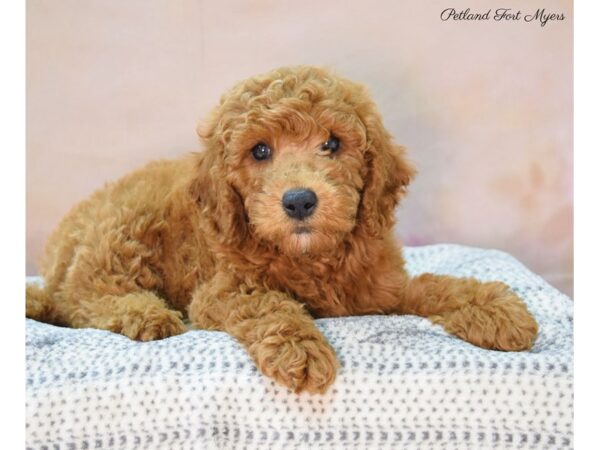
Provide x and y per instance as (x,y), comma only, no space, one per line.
(207,236)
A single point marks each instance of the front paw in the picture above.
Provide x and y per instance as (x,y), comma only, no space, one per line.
(495,319)
(299,362)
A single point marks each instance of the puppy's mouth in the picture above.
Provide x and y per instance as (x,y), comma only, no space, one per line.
(302,230)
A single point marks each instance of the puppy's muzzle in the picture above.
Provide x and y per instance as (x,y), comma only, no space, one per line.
(299,203)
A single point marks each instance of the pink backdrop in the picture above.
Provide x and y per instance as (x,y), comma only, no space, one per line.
(485,108)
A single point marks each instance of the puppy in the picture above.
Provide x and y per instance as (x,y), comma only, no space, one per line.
(286,215)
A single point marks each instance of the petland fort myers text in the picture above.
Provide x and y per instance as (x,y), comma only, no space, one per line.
(540,16)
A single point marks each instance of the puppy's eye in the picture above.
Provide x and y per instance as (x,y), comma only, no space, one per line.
(261,151)
(332,144)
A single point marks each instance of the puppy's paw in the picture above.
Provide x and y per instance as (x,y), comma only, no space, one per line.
(494,319)
(152,324)
(299,363)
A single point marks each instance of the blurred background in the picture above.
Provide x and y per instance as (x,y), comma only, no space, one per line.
(484,108)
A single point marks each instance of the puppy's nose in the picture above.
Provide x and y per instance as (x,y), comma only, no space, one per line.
(299,203)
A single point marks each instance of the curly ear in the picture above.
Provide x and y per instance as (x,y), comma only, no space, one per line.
(216,197)
(388,175)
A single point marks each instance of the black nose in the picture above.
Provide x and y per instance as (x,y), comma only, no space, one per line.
(299,203)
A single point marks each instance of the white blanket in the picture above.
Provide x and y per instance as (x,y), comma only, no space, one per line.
(404,383)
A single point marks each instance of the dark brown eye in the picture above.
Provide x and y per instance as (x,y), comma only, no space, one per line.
(332,144)
(261,151)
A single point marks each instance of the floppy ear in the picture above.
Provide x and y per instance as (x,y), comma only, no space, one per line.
(388,175)
(216,197)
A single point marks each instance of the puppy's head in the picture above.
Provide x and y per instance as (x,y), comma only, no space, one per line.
(298,158)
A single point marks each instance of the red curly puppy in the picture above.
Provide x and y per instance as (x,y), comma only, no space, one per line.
(287,215)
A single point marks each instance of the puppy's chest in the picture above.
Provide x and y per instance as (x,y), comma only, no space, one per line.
(325,291)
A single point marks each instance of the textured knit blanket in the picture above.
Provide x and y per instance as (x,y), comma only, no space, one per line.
(404,383)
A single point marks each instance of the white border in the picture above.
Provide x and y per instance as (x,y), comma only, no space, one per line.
(587,223)
(12,259)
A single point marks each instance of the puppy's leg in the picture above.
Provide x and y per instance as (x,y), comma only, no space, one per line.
(111,285)
(488,315)
(141,316)
(277,332)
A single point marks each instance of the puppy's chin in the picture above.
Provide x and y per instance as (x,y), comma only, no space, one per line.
(303,241)
(299,243)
